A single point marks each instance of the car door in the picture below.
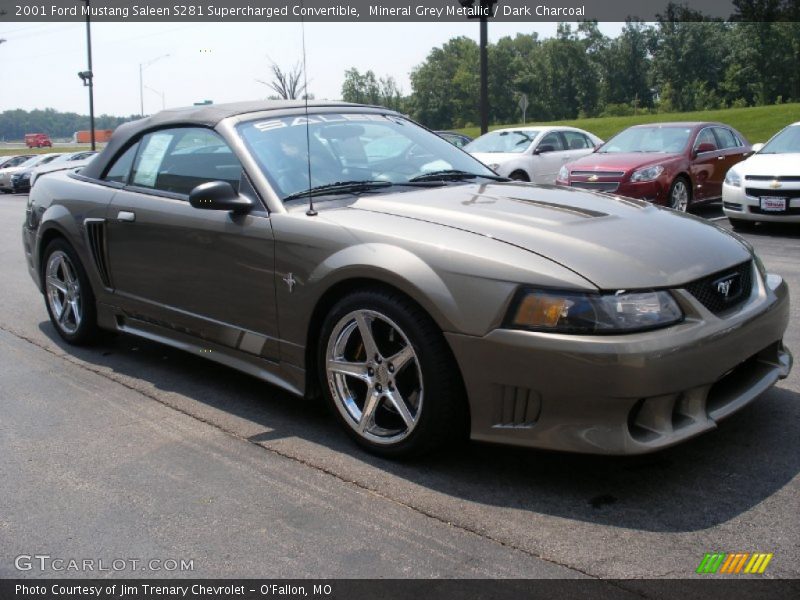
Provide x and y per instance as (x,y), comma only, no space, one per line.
(208,274)
(577,144)
(708,165)
(733,149)
(548,156)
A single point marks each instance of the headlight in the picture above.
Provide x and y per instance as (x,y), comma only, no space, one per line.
(563,173)
(732,178)
(648,173)
(574,312)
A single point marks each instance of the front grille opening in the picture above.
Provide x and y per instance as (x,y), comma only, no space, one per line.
(743,376)
(710,290)
(638,432)
(653,417)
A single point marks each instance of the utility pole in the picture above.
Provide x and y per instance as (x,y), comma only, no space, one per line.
(482,9)
(88,76)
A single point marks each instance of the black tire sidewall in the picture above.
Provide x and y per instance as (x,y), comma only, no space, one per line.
(520,176)
(442,412)
(87,330)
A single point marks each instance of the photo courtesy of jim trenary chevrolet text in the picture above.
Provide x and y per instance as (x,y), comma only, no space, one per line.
(385,298)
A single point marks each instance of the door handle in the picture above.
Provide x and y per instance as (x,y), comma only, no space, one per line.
(126,216)
(720,158)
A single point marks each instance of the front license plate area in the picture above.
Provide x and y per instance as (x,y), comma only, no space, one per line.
(773,204)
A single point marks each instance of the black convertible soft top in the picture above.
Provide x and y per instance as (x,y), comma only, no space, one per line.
(207,115)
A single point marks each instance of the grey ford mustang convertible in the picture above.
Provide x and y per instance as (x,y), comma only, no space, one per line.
(344,251)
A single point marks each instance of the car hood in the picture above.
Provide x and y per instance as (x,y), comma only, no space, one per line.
(620,161)
(498,158)
(615,243)
(770,164)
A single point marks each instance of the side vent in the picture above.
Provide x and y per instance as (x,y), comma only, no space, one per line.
(515,406)
(96,234)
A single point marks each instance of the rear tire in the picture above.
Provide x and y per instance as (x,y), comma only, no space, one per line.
(68,294)
(389,376)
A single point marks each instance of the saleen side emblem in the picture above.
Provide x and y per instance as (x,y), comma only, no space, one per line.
(593,178)
(290,281)
(775,184)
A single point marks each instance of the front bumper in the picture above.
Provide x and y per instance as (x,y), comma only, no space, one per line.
(626,394)
(654,191)
(736,204)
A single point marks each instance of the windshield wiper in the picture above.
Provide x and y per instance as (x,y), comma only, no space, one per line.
(454,175)
(339,187)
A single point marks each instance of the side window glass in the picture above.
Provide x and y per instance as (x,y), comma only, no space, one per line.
(551,143)
(706,136)
(121,167)
(726,138)
(178,160)
(576,141)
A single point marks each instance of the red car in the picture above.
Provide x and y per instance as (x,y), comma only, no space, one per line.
(673,164)
(38,140)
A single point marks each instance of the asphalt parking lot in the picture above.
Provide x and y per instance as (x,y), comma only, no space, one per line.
(132,449)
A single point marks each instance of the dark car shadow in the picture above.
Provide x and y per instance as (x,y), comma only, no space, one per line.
(784,230)
(696,485)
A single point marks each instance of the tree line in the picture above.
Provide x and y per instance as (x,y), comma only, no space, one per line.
(14,124)
(682,62)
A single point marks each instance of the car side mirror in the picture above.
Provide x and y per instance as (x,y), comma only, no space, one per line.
(757,147)
(544,148)
(704,147)
(219,195)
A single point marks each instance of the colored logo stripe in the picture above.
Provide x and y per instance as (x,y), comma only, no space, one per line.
(758,564)
(721,562)
(711,562)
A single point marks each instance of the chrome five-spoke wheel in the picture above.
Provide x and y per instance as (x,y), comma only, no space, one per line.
(389,375)
(679,195)
(68,295)
(63,290)
(374,376)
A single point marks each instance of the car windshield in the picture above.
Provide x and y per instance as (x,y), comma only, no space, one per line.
(648,139)
(502,141)
(350,149)
(786,142)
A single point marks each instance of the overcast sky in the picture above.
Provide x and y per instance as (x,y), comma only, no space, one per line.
(216,61)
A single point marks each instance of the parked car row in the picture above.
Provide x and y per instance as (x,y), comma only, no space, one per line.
(19,173)
(677,165)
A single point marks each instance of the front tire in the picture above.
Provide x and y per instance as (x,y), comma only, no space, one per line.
(741,224)
(389,376)
(519,176)
(68,294)
(680,194)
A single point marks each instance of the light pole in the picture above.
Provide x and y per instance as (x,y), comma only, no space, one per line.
(142,67)
(87,76)
(162,94)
